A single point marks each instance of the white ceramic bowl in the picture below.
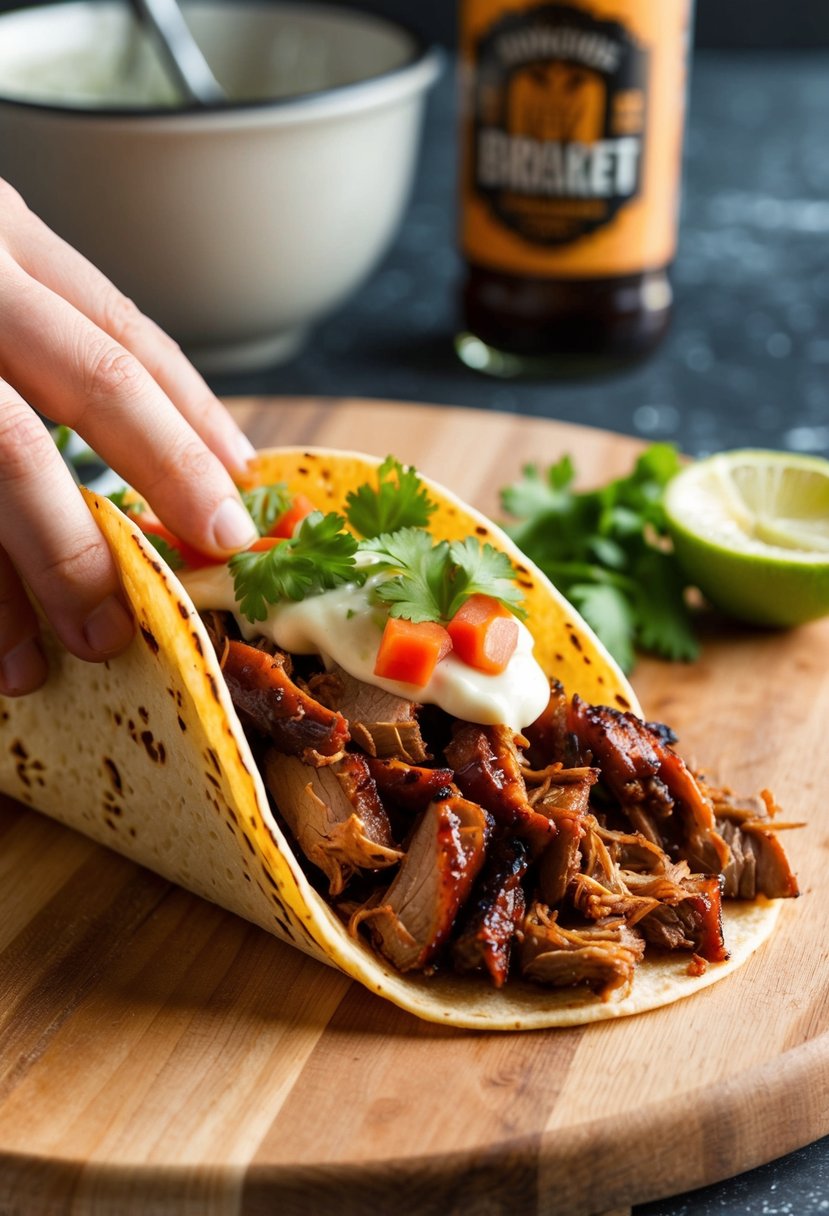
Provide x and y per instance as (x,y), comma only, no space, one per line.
(234,228)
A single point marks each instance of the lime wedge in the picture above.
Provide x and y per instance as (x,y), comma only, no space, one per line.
(751,530)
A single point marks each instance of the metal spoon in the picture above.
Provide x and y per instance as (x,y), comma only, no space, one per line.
(180,51)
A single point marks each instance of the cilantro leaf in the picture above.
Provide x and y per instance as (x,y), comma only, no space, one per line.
(481,569)
(124,501)
(430,581)
(318,558)
(418,570)
(171,556)
(265,504)
(400,500)
(608,551)
(665,624)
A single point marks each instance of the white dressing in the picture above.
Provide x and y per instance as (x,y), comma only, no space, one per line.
(343,627)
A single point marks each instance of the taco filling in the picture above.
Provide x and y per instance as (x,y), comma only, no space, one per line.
(457,807)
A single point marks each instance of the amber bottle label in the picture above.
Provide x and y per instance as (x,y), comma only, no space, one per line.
(572,134)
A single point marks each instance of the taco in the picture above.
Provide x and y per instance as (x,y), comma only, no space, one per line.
(478,826)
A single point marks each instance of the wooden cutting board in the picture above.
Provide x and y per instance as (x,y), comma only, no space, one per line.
(158,1055)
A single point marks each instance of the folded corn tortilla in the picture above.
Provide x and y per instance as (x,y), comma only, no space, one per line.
(145,754)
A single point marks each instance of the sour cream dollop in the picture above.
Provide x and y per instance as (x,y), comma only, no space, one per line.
(343,627)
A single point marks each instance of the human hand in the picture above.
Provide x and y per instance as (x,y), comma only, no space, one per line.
(75,349)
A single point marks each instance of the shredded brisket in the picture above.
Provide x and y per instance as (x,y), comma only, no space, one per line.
(559,853)
(334,813)
(600,957)
(494,912)
(415,916)
(269,702)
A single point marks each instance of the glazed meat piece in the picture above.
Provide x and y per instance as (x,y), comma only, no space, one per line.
(657,793)
(335,814)
(495,910)
(633,851)
(550,737)
(758,864)
(688,919)
(600,957)
(416,914)
(381,723)
(564,798)
(269,702)
(410,787)
(487,770)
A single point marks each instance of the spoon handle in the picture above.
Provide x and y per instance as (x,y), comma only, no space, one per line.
(181,52)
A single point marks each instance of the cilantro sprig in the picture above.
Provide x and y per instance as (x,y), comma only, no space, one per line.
(125,500)
(399,500)
(319,558)
(430,582)
(171,556)
(265,504)
(607,551)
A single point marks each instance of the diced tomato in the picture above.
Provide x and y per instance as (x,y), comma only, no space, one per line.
(192,558)
(264,543)
(484,634)
(410,651)
(300,508)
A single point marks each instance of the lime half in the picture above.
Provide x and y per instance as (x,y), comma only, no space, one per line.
(751,530)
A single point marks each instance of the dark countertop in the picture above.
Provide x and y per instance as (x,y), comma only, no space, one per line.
(745,364)
(747,359)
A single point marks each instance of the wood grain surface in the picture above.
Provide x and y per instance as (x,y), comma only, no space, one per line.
(158,1055)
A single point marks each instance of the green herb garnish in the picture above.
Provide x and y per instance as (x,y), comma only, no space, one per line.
(122,500)
(171,556)
(318,558)
(399,500)
(607,551)
(430,582)
(265,505)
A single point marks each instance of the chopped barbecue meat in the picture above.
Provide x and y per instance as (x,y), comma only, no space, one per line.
(655,790)
(495,909)
(487,770)
(408,786)
(269,702)
(335,814)
(758,864)
(692,920)
(597,902)
(416,915)
(221,629)
(381,723)
(599,890)
(602,957)
(550,737)
(564,798)
(633,851)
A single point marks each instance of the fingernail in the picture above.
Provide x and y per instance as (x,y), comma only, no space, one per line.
(108,628)
(233,528)
(23,669)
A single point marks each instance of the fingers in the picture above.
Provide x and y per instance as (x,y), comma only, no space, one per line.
(22,665)
(80,376)
(52,262)
(49,539)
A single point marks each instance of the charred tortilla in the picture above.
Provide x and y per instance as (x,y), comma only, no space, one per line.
(147,755)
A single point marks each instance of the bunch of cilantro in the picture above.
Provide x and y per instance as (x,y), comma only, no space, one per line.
(607,551)
(424,580)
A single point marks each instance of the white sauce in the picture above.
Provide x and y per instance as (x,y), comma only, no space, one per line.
(343,627)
